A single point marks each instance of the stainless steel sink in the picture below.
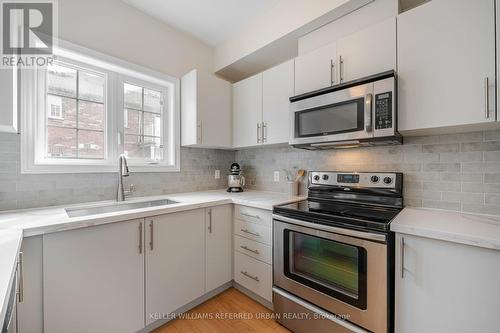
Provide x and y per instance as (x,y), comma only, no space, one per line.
(94,210)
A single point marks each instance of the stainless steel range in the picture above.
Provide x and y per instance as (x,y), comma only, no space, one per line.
(333,254)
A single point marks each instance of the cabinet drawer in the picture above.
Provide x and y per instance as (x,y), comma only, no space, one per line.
(255,215)
(253,231)
(253,249)
(253,275)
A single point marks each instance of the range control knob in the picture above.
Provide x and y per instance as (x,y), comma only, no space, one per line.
(325,177)
(374,179)
(316,177)
(387,180)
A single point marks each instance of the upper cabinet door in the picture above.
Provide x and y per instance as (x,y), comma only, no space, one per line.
(205,111)
(446,64)
(8,96)
(367,52)
(316,69)
(247,112)
(277,89)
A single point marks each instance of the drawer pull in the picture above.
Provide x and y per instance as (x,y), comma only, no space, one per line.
(256,234)
(250,215)
(255,278)
(244,247)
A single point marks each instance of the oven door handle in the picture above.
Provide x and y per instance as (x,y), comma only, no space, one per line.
(322,313)
(341,231)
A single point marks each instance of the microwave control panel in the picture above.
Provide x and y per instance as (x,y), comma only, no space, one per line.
(383,110)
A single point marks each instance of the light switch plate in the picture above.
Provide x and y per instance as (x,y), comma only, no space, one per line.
(276,176)
(217,174)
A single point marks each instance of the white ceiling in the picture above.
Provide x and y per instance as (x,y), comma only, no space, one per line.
(212,21)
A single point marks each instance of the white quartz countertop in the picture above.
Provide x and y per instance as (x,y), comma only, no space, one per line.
(52,219)
(10,243)
(475,230)
(31,222)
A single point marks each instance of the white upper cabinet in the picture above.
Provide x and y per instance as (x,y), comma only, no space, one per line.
(277,87)
(175,264)
(446,64)
(316,69)
(367,52)
(247,112)
(93,279)
(205,111)
(218,239)
(8,96)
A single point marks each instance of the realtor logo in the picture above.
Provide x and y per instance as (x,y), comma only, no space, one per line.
(27,32)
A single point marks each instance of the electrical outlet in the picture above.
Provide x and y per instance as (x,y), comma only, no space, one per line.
(217,174)
(276,176)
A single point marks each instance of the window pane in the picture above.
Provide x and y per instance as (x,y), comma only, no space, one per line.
(61,111)
(133,147)
(90,144)
(153,149)
(90,115)
(132,122)
(152,101)
(132,96)
(61,80)
(152,124)
(61,142)
(91,87)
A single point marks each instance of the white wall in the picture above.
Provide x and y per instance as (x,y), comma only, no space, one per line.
(364,17)
(284,18)
(117,29)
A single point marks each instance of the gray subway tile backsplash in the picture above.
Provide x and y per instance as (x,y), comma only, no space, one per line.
(459,172)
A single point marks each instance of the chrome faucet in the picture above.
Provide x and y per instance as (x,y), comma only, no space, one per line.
(122,172)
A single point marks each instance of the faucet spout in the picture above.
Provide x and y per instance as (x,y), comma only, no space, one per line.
(122,172)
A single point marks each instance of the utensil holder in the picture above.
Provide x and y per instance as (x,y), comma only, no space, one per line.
(293,188)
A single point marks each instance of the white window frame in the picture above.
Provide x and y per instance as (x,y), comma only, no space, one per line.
(117,71)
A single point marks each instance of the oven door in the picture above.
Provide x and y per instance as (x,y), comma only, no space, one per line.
(339,270)
(343,115)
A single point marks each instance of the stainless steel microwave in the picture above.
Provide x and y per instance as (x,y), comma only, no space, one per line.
(357,113)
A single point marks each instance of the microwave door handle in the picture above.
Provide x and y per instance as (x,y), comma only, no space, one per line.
(368,113)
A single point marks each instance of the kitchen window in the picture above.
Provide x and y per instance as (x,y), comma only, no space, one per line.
(86,109)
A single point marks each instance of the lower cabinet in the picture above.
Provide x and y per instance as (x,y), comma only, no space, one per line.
(175,264)
(253,250)
(93,279)
(218,239)
(123,276)
(445,287)
(30,310)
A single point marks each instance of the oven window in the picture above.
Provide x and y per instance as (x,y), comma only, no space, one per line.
(331,119)
(331,267)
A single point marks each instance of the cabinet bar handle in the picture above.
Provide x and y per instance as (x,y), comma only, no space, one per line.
(20,291)
(332,71)
(210,220)
(264,132)
(250,215)
(255,278)
(140,238)
(402,257)
(341,65)
(244,247)
(486,97)
(151,235)
(258,132)
(256,234)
